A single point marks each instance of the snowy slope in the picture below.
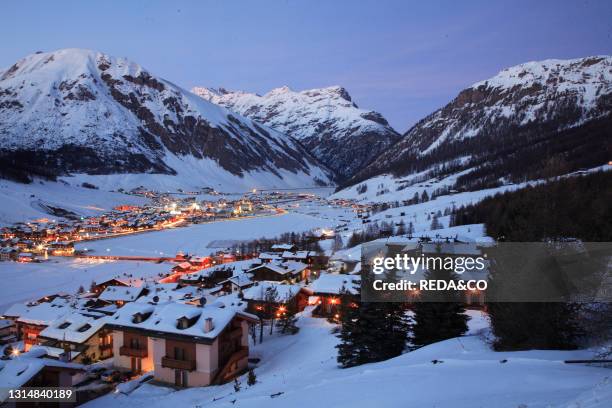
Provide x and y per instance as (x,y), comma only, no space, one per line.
(301,371)
(539,115)
(325,120)
(81,111)
(26,202)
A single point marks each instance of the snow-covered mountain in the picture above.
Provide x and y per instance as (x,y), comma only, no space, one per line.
(529,121)
(325,120)
(77,111)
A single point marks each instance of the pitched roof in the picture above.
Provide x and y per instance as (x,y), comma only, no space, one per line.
(120,293)
(76,327)
(334,284)
(164,319)
(284,293)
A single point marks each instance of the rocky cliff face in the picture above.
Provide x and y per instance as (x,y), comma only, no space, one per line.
(326,121)
(81,111)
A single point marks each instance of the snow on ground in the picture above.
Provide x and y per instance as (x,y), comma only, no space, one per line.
(303,369)
(25,202)
(31,281)
(196,238)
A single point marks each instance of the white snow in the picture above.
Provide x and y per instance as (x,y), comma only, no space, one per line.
(303,369)
(196,239)
(33,280)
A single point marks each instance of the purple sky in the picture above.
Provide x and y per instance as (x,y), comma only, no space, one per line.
(401,58)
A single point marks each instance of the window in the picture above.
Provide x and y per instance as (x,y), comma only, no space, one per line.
(134,343)
(179,353)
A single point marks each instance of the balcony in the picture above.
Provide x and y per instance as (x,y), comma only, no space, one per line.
(169,362)
(132,352)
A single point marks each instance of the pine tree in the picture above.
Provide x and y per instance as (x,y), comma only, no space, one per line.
(435,223)
(236,385)
(410,229)
(251,378)
(525,325)
(401,228)
(438,315)
(371,332)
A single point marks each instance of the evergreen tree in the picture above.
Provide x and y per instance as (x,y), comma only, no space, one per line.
(410,229)
(401,228)
(371,332)
(435,223)
(522,325)
(251,378)
(438,315)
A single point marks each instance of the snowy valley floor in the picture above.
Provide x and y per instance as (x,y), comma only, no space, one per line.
(303,369)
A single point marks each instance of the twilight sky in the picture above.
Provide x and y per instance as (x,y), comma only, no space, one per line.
(402,58)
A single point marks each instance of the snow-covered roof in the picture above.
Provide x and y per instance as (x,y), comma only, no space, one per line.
(244,279)
(283,246)
(4,323)
(120,293)
(164,318)
(336,283)
(268,256)
(297,254)
(76,327)
(259,291)
(15,372)
(44,313)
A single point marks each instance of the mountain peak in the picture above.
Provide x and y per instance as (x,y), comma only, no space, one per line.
(325,120)
(76,110)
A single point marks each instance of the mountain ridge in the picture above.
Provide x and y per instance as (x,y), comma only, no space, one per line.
(325,120)
(82,111)
(535,114)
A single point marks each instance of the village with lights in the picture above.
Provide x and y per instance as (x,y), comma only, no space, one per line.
(189,322)
(295,204)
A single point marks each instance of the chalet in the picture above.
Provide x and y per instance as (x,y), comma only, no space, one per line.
(8,253)
(61,248)
(327,290)
(183,267)
(185,345)
(32,369)
(98,288)
(200,261)
(79,337)
(121,295)
(209,277)
(290,271)
(35,318)
(283,247)
(269,257)
(25,257)
(238,283)
(267,299)
(8,331)
(301,256)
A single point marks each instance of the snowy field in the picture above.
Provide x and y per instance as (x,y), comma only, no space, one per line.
(196,238)
(303,369)
(24,282)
